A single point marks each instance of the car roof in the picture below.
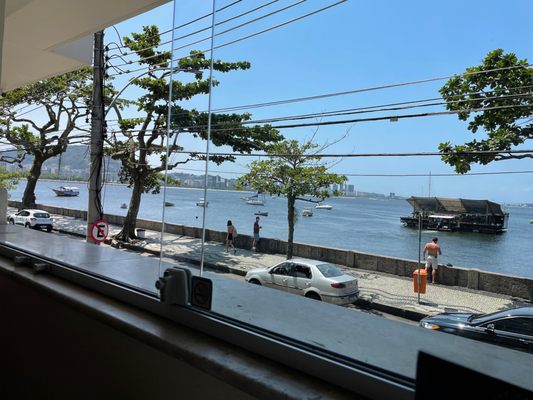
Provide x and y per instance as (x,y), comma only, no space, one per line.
(31,210)
(512,312)
(308,261)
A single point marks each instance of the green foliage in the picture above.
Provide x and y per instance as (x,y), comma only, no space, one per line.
(144,137)
(9,180)
(292,170)
(506,102)
(64,100)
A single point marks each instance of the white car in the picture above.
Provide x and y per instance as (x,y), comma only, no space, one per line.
(310,278)
(36,219)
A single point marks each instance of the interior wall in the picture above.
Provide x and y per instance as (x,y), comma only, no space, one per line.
(51,351)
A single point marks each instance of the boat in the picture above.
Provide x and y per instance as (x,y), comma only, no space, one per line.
(307,212)
(124,206)
(320,206)
(67,191)
(202,203)
(169,204)
(254,200)
(262,213)
(456,215)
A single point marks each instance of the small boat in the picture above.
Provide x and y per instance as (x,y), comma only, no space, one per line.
(169,204)
(254,200)
(531,221)
(307,212)
(123,206)
(323,207)
(67,191)
(262,213)
(202,203)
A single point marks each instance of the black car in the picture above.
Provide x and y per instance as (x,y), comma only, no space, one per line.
(511,328)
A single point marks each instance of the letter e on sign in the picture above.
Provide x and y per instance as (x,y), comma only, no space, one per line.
(99,230)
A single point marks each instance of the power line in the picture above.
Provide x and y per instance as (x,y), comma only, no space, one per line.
(393,118)
(199,31)
(239,39)
(389,104)
(354,155)
(423,175)
(247,23)
(372,109)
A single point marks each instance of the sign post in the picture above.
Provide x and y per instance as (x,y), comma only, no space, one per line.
(99,231)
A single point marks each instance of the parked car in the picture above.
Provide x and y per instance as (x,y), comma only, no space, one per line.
(512,328)
(313,279)
(35,219)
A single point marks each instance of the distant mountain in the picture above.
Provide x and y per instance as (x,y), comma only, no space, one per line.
(74,163)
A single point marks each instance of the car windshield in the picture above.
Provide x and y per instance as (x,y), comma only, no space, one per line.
(41,215)
(329,270)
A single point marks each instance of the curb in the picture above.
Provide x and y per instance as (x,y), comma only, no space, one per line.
(399,312)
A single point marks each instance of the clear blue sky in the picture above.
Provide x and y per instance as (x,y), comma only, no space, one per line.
(360,44)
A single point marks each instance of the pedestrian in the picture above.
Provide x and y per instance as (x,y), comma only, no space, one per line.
(232,234)
(257,227)
(432,264)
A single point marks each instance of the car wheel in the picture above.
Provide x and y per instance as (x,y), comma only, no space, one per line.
(28,225)
(255,282)
(12,221)
(313,295)
(48,229)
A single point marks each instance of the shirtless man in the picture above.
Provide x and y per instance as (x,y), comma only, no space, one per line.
(433,250)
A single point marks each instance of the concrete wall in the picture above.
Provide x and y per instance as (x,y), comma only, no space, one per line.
(452,276)
(51,350)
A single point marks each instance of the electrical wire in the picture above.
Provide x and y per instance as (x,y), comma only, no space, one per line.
(393,118)
(176,28)
(363,155)
(370,175)
(381,105)
(242,38)
(199,31)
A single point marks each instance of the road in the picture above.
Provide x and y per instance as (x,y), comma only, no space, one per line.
(240,278)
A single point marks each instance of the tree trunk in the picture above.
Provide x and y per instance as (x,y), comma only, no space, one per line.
(33,177)
(128,229)
(290,215)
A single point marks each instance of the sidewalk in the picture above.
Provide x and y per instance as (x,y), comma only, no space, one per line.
(383,292)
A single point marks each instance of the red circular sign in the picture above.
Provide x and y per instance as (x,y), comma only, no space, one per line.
(99,230)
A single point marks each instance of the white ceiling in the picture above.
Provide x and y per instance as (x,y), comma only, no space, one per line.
(43,38)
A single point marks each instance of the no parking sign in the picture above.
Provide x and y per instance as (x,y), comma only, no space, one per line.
(99,230)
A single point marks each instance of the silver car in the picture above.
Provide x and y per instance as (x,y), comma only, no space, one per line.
(310,278)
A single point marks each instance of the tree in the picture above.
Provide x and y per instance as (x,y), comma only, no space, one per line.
(143,137)
(8,179)
(292,170)
(500,88)
(65,99)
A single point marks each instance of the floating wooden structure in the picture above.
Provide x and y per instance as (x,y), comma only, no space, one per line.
(456,215)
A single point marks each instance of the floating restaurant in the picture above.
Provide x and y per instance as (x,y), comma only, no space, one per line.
(456,215)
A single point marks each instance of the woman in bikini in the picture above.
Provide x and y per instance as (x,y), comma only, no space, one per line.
(232,232)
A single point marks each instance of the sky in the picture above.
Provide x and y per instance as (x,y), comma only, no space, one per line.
(357,45)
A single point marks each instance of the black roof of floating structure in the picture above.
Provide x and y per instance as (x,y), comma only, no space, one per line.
(455,206)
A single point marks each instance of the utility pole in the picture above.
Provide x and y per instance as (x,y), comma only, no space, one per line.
(97,135)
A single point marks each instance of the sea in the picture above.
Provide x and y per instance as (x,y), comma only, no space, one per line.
(360,224)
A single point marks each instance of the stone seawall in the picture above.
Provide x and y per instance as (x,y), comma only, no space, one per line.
(470,278)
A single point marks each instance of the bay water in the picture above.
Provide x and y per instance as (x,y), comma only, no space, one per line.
(361,224)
